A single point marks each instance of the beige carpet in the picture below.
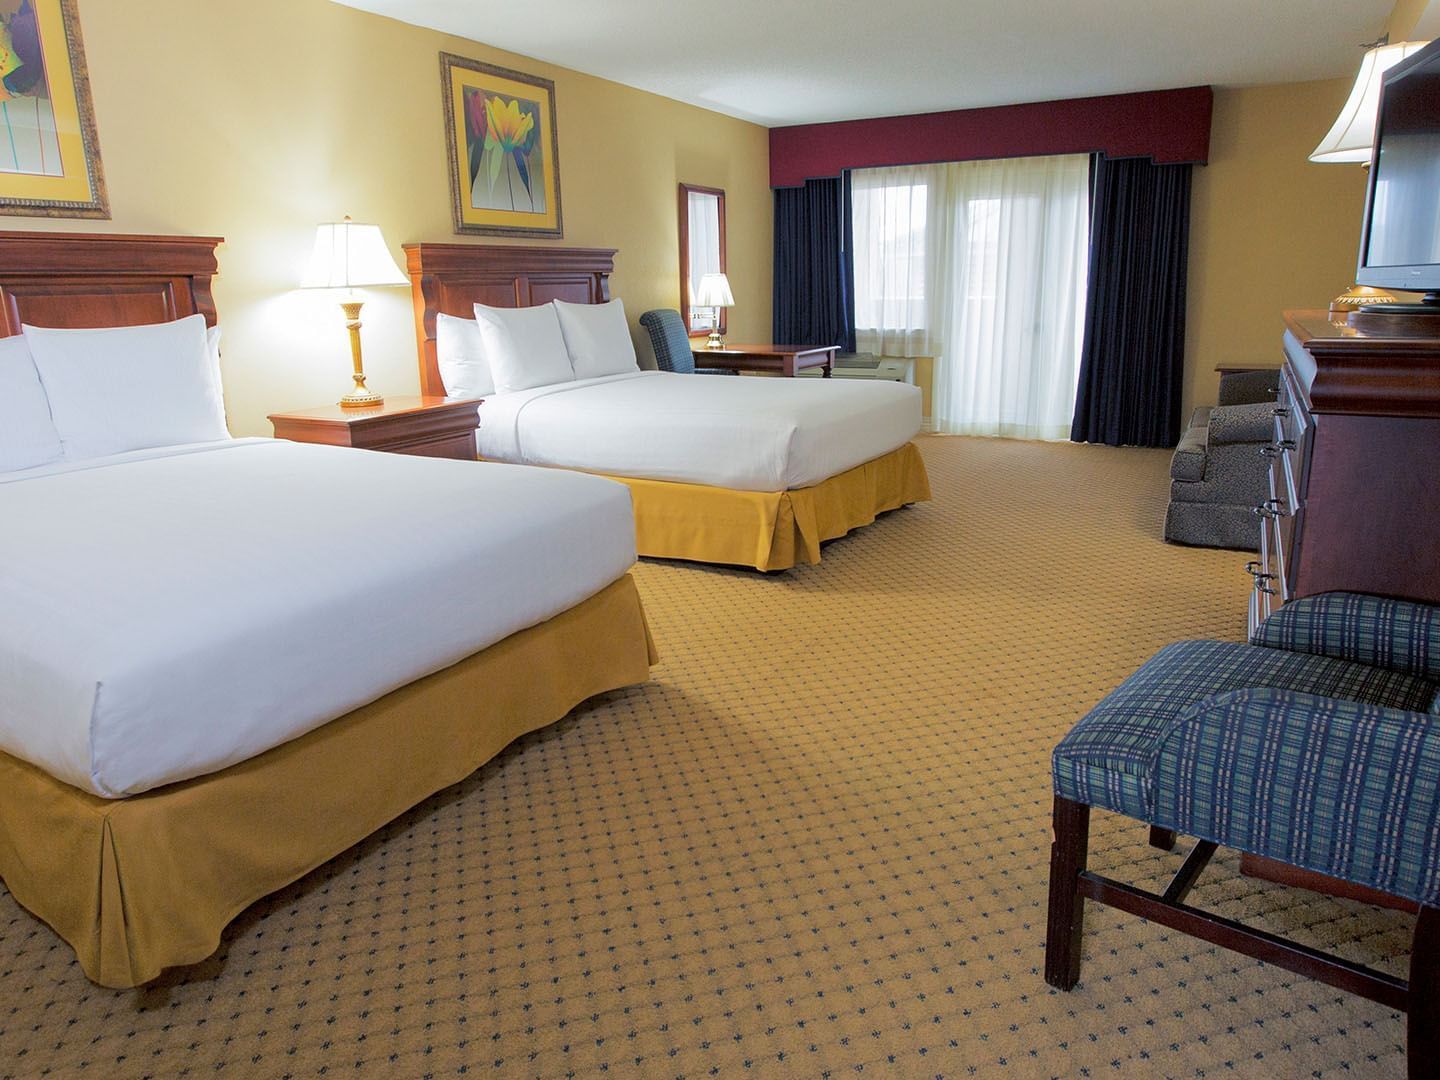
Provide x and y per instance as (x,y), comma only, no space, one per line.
(814,845)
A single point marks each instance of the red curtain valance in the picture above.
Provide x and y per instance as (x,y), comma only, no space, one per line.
(1168,126)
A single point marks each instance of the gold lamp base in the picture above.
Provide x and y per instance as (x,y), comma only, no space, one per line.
(715,341)
(362,397)
(1356,297)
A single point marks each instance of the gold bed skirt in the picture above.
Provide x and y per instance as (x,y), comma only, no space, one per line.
(140,884)
(771,530)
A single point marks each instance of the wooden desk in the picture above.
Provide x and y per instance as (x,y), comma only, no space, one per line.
(781,359)
(427,426)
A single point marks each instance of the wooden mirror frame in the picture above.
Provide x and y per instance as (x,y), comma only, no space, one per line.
(685,191)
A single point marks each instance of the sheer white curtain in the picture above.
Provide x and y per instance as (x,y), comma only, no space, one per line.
(982,265)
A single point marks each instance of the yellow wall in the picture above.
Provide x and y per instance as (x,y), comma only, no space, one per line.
(1269,230)
(257,120)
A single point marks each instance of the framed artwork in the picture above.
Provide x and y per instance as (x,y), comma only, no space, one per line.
(504,150)
(49,155)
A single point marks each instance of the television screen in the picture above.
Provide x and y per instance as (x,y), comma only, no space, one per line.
(1403,230)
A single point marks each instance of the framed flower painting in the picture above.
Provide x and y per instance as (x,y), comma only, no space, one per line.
(504,151)
(49,155)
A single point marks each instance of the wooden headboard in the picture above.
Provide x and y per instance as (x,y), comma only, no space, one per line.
(451,279)
(94,279)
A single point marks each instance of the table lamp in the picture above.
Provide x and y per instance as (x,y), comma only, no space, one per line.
(714,292)
(1351,140)
(351,256)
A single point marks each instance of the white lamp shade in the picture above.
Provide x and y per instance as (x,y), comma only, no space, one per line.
(348,255)
(714,291)
(1353,135)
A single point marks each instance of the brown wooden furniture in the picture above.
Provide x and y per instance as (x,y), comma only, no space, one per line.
(425,426)
(1230,368)
(686,285)
(784,360)
(88,280)
(451,279)
(1352,503)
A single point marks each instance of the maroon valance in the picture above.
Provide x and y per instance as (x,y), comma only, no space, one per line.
(1168,126)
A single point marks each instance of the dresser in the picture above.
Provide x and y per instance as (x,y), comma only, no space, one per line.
(1354,497)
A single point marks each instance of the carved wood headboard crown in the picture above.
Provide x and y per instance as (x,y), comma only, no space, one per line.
(451,279)
(102,279)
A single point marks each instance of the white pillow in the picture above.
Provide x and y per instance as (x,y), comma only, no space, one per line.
(130,387)
(27,434)
(460,352)
(524,347)
(597,338)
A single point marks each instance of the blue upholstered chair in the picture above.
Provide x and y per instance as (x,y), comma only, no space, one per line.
(1317,744)
(672,344)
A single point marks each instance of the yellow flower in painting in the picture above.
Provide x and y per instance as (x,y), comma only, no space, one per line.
(508,125)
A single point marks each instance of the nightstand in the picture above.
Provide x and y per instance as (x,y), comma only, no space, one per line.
(428,426)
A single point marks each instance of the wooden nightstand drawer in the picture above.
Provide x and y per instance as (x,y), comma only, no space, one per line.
(425,426)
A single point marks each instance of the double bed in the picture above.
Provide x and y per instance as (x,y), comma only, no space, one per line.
(744,471)
(223,663)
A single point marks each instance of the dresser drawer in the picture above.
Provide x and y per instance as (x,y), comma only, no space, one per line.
(1264,595)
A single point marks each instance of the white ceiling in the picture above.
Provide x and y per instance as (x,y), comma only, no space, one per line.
(782,62)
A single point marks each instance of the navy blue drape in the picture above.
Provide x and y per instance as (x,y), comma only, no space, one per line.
(1132,367)
(814,302)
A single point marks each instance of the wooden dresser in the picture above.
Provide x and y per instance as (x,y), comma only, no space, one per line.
(1354,469)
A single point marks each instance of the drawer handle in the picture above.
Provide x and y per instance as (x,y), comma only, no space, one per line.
(1265,589)
(1272,508)
(1281,411)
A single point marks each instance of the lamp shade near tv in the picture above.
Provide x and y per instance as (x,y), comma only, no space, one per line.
(1400,244)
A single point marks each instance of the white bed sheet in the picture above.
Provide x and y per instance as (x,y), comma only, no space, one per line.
(167,613)
(753,434)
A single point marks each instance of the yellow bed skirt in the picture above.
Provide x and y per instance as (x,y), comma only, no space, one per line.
(141,884)
(771,530)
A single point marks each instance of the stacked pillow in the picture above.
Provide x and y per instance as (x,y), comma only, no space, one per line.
(508,349)
(77,394)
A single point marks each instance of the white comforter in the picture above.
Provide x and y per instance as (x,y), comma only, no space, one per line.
(754,434)
(164,614)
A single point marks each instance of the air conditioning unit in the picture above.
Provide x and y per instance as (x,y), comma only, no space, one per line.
(867,366)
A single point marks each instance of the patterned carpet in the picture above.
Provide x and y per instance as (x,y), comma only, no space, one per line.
(814,845)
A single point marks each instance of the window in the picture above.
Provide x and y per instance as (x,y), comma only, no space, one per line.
(983,266)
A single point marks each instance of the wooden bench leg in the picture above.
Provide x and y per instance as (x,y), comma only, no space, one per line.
(1423,1023)
(1065,926)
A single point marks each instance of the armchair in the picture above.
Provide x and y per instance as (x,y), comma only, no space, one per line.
(672,343)
(1316,744)
(1217,475)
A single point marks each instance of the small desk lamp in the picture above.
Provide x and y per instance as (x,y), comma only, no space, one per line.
(714,292)
(352,256)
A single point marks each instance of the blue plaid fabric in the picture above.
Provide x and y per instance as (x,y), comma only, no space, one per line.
(1394,634)
(672,344)
(1108,758)
(1341,787)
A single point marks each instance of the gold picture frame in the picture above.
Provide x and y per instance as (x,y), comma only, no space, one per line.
(504,149)
(49,150)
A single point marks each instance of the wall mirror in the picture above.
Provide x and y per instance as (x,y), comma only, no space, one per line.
(702,251)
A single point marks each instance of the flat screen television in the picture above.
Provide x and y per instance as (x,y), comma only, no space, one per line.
(1400,242)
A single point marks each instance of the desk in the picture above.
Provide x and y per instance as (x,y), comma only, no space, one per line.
(781,359)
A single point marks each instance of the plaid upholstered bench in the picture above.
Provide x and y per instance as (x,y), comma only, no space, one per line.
(1317,744)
